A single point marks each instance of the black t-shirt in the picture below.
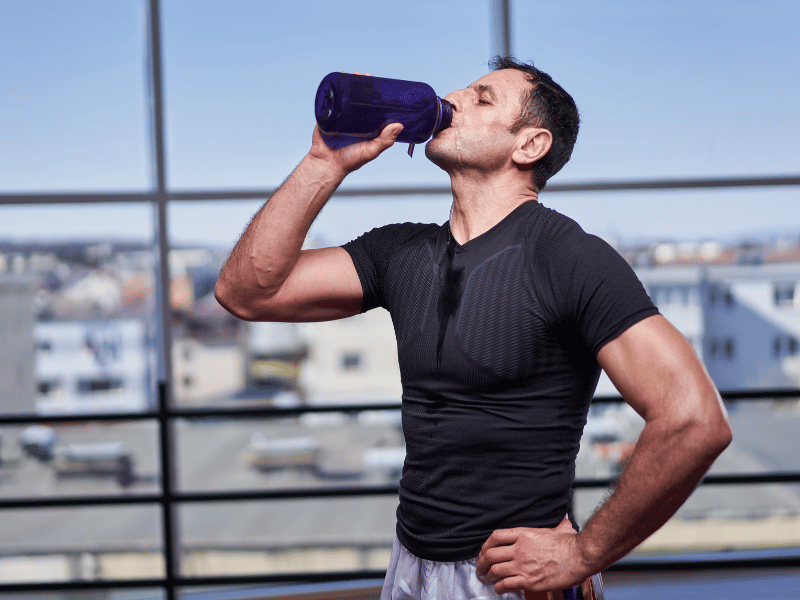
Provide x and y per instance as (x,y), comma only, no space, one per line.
(497,342)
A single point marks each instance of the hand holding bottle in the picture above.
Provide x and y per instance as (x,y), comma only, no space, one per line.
(354,156)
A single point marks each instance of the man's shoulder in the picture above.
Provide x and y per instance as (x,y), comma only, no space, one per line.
(544,225)
(400,233)
(557,237)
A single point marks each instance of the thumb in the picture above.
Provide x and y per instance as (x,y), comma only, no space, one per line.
(565,524)
(390,133)
(383,141)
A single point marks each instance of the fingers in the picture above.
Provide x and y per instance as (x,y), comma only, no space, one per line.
(492,557)
(510,584)
(501,537)
(352,157)
(499,572)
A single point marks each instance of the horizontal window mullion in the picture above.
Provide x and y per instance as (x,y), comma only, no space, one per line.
(665,564)
(193,497)
(288,494)
(388,191)
(723,479)
(784,477)
(96,417)
(268,412)
(82,585)
(78,198)
(78,501)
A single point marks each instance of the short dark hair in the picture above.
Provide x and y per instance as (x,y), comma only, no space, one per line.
(549,106)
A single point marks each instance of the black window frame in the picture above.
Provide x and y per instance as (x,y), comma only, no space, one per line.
(166,414)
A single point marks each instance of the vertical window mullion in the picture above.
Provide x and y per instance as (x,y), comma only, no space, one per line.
(164,318)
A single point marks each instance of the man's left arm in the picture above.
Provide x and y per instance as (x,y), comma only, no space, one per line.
(658,373)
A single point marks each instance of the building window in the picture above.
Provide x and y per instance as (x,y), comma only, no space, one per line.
(94,386)
(725,347)
(730,348)
(49,388)
(784,293)
(721,296)
(351,361)
(44,347)
(785,345)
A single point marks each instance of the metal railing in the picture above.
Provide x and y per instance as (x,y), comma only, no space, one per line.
(169,499)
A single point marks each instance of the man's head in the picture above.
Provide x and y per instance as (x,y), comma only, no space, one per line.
(547,105)
(513,116)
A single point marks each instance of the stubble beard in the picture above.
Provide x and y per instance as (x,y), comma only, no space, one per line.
(440,153)
(455,152)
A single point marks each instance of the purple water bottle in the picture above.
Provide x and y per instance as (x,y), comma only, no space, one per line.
(353,108)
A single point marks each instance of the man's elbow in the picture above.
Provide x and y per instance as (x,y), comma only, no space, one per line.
(718,436)
(713,430)
(230,300)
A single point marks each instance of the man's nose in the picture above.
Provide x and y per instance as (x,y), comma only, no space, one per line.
(456,97)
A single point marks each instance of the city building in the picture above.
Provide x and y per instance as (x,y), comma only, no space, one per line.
(742,319)
(17,379)
(352,360)
(93,366)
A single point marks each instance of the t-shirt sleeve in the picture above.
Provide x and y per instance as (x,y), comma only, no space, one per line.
(593,293)
(365,251)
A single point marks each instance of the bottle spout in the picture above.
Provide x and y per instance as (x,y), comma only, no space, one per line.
(447,116)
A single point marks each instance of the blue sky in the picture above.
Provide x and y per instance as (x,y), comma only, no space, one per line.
(668,89)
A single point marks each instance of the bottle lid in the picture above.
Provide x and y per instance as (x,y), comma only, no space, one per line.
(447,116)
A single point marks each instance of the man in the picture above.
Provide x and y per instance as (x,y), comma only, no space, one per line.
(503,318)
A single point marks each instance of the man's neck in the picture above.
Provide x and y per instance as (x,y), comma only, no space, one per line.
(480,204)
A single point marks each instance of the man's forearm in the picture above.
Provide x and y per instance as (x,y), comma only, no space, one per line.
(270,247)
(661,473)
(271,244)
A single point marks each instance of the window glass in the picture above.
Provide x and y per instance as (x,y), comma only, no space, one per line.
(715,516)
(241,79)
(68,544)
(77,295)
(73,78)
(292,536)
(667,90)
(743,216)
(220,360)
(612,430)
(68,459)
(77,282)
(314,450)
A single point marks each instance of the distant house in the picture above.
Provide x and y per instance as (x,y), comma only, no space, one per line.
(742,319)
(93,366)
(352,360)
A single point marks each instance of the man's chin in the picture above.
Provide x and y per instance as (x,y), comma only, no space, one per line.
(435,151)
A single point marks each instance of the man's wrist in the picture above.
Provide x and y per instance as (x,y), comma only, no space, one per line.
(323,170)
(588,554)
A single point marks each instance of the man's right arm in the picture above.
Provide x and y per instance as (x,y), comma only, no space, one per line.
(267,276)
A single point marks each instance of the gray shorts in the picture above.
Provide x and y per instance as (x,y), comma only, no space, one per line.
(412,578)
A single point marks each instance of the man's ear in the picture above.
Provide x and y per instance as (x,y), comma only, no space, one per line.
(532,144)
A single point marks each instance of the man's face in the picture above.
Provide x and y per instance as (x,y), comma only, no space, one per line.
(479,136)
